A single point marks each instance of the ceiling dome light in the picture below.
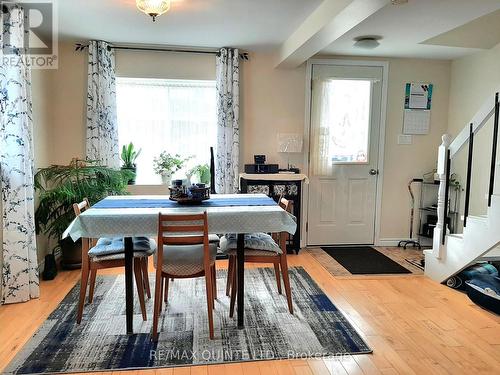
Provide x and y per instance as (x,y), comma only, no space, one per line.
(154,8)
(367,42)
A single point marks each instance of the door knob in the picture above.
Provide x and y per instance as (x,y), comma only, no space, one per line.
(373,172)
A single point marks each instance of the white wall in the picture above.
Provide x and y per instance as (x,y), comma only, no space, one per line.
(473,79)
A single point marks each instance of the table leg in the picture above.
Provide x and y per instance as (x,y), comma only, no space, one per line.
(240,269)
(129,301)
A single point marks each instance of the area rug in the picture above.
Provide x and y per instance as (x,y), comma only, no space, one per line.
(364,260)
(99,343)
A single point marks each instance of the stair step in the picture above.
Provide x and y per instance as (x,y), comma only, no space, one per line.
(475,217)
(478,217)
(492,256)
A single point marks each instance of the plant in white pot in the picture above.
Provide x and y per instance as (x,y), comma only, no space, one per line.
(167,164)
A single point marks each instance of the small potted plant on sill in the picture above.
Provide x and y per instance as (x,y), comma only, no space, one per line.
(129,156)
(59,186)
(166,165)
(202,172)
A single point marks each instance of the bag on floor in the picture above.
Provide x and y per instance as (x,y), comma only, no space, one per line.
(458,281)
(484,290)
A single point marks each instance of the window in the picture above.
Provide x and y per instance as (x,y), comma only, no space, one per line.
(176,116)
(349,120)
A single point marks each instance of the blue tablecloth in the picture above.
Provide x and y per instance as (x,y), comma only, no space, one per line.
(167,203)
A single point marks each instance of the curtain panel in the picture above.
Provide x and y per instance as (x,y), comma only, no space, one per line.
(228,143)
(320,132)
(19,267)
(102,127)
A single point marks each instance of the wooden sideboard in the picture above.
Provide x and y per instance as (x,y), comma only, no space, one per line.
(275,185)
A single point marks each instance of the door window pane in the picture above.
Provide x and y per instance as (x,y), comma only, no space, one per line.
(345,120)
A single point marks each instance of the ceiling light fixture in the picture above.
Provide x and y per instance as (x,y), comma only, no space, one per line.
(367,42)
(153,8)
(398,2)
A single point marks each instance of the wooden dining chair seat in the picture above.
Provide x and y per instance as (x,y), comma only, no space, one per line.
(259,248)
(185,260)
(184,251)
(114,248)
(110,253)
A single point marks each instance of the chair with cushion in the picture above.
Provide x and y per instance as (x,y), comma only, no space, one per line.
(110,253)
(259,248)
(183,252)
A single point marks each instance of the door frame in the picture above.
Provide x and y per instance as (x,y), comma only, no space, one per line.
(307,141)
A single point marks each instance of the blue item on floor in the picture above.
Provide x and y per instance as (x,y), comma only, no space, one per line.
(484,290)
(458,281)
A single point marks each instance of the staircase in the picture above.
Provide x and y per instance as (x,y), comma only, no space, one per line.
(480,239)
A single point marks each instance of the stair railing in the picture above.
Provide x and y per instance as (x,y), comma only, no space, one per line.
(446,153)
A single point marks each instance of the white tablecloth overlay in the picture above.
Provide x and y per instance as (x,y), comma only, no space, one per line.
(128,222)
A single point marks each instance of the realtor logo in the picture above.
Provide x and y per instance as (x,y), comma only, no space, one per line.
(38,45)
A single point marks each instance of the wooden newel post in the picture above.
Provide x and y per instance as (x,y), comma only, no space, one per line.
(437,243)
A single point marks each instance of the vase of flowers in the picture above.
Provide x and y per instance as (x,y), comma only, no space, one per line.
(167,164)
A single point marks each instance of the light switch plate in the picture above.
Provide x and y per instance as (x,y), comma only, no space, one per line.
(405,139)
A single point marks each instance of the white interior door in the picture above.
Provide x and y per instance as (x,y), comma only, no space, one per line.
(344,147)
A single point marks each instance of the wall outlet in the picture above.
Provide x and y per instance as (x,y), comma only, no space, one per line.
(405,139)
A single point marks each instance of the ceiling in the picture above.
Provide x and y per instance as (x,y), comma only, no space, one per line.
(405,28)
(483,32)
(250,24)
(442,29)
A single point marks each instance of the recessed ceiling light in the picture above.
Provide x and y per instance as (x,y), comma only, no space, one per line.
(367,42)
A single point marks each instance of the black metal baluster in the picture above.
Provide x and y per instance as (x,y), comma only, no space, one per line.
(446,195)
(469,173)
(494,150)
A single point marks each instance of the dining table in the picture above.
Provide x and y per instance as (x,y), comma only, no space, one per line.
(129,216)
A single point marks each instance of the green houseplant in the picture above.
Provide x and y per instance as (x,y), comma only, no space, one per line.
(167,164)
(202,171)
(59,186)
(129,155)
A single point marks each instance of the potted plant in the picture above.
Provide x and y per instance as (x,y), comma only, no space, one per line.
(166,165)
(129,156)
(59,186)
(202,171)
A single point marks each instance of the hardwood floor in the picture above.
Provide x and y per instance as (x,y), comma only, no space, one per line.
(414,326)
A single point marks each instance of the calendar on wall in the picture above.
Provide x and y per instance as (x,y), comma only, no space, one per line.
(417,111)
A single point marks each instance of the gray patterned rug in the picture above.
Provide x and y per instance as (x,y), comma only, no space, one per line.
(317,328)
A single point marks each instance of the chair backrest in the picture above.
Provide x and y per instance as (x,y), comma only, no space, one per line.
(285,204)
(184,229)
(80,207)
(188,229)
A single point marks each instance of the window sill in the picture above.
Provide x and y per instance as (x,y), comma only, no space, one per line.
(152,189)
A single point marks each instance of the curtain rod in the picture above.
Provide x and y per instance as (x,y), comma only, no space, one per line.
(81,47)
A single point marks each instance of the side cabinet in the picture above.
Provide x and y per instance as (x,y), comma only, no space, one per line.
(291,190)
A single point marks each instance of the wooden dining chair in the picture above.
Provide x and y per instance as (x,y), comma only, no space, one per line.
(260,248)
(183,252)
(110,253)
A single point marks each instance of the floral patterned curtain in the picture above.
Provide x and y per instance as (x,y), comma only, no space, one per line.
(19,268)
(102,129)
(228,132)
